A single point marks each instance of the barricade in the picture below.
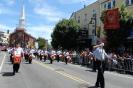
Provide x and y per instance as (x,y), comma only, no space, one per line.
(120,65)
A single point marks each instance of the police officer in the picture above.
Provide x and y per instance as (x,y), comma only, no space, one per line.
(100,54)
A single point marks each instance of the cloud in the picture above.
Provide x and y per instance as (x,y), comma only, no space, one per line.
(41,31)
(36,1)
(70,1)
(76,1)
(4,28)
(49,13)
(2,9)
(10,2)
(6,10)
(46,11)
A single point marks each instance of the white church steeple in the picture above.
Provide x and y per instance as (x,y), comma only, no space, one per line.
(22,16)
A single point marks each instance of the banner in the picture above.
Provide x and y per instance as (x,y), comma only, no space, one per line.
(112,19)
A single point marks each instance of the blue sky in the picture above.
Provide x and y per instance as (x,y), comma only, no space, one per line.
(41,15)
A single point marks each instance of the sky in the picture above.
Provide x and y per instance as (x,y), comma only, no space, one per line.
(41,15)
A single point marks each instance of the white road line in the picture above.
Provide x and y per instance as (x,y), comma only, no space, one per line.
(75,78)
(1,66)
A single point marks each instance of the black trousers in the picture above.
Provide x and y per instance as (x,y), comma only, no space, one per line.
(94,65)
(40,57)
(51,60)
(66,60)
(16,67)
(58,58)
(100,75)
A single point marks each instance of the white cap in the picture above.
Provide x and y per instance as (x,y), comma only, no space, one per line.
(102,44)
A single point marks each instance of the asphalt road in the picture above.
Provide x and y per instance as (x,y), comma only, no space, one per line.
(56,75)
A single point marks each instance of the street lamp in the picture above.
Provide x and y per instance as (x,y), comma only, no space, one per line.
(94,21)
(46,44)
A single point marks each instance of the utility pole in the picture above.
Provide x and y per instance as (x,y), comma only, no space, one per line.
(46,44)
(94,22)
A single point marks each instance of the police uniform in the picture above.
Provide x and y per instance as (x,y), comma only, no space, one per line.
(100,55)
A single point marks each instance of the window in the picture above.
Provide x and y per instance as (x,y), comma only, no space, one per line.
(109,5)
(85,28)
(94,13)
(93,31)
(85,17)
(113,3)
(129,2)
(105,6)
(79,19)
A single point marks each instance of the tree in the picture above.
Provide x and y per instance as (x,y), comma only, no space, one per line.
(41,43)
(64,35)
(117,38)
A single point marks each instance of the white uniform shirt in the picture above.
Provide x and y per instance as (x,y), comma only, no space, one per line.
(53,52)
(32,51)
(100,53)
(58,52)
(46,52)
(18,51)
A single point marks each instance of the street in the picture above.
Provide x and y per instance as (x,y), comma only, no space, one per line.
(56,75)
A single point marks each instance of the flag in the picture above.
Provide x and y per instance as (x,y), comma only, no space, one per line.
(112,19)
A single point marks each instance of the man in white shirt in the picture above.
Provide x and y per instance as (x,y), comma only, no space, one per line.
(17,56)
(58,55)
(100,55)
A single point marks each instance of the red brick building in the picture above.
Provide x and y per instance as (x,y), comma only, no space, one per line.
(23,38)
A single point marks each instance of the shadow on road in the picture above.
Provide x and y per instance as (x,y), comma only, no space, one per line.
(92,87)
(90,70)
(7,74)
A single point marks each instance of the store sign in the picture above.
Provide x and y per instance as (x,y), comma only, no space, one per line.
(112,19)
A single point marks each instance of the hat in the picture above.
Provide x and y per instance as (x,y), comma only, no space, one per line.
(99,41)
(102,44)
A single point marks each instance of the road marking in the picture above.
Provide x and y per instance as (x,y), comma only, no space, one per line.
(45,66)
(1,66)
(77,79)
(72,77)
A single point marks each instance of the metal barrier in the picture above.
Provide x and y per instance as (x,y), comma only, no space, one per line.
(120,65)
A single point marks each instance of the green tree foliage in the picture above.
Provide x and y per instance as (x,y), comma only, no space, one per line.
(64,35)
(41,43)
(102,18)
(118,37)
